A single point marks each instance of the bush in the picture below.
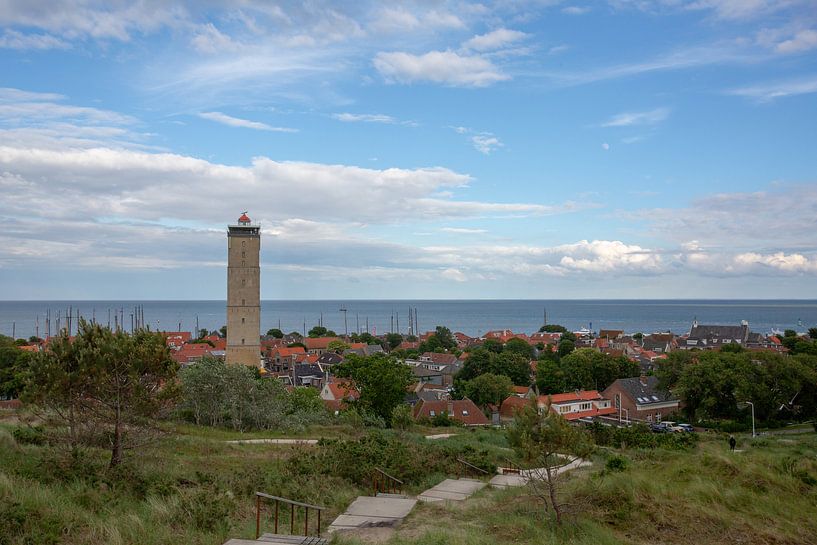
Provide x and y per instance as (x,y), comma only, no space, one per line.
(206,508)
(616,463)
(401,417)
(29,435)
(640,436)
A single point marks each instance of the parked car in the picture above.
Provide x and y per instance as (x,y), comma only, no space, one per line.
(659,427)
(687,428)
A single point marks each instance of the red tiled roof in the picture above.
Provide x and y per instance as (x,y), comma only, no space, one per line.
(456,410)
(592,412)
(582,395)
(318,343)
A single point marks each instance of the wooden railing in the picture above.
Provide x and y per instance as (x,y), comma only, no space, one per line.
(511,467)
(466,467)
(383,482)
(292,505)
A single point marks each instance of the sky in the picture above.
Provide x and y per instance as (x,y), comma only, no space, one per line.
(428,149)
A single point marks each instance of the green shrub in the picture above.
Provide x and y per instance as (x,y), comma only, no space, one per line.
(401,417)
(29,435)
(616,463)
(206,508)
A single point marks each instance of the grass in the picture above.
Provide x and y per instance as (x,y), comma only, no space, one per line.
(193,487)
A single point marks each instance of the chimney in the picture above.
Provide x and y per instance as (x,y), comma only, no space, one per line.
(643,379)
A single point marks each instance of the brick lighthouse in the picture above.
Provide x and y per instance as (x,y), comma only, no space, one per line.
(244,292)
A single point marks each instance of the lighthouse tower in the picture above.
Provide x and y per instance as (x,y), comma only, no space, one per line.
(243,292)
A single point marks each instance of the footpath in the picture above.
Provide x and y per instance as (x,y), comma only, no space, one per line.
(387,510)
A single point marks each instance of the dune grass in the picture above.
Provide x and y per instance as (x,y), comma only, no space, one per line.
(192,487)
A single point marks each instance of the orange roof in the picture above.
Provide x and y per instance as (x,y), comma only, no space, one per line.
(319,343)
(581,395)
(29,348)
(342,389)
(287,351)
(521,389)
(590,413)
(462,410)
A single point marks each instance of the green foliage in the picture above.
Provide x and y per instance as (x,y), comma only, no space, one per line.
(519,346)
(488,389)
(320,331)
(715,385)
(208,508)
(616,463)
(481,361)
(401,417)
(441,340)
(13,366)
(293,345)
(443,420)
(394,340)
(553,328)
(275,332)
(380,379)
(566,346)
(217,394)
(105,383)
(583,369)
(29,435)
(337,346)
(640,436)
(732,348)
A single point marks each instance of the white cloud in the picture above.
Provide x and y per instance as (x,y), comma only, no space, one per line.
(556,49)
(739,9)
(463,230)
(495,39)
(770,91)
(605,146)
(575,10)
(486,143)
(11,39)
(369,118)
(802,40)
(225,119)
(454,274)
(608,256)
(445,67)
(209,39)
(626,119)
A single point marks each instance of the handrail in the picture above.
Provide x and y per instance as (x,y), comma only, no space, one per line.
(392,484)
(513,467)
(469,465)
(277,499)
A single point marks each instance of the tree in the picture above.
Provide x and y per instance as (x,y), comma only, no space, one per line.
(550,378)
(318,331)
(223,331)
(514,366)
(380,379)
(547,442)
(13,364)
(202,333)
(337,346)
(493,345)
(401,417)
(115,382)
(276,333)
(394,340)
(565,347)
(519,346)
(733,348)
(812,333)
(488,389)
(553,328)
(445,337)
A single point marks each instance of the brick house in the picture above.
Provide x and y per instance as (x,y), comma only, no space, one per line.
(639,398)
(461,410)
(570,405)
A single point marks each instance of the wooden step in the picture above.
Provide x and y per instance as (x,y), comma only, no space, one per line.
(388,495)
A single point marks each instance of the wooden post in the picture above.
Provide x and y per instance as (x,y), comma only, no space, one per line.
(257,516)
(292,520)
(276,516)
(319,523)
(306,521)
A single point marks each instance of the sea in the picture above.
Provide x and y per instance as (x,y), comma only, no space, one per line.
(472,317)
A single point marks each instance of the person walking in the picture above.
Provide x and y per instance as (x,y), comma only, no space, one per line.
(732,443)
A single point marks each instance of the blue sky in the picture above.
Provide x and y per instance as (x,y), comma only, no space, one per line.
(430,149)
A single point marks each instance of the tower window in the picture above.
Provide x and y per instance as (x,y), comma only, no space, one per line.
(242,320)
(243,263)
(243,242)
(243,254)
(242,302)
(242,341)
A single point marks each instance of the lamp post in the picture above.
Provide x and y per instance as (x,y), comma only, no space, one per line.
(752,405)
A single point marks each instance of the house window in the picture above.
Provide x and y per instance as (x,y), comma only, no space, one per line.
(432,413)
(465,413)
(584,407)
(658,417)
(649,418)
(564,409)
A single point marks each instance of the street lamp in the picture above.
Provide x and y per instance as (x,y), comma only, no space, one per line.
(753,417)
